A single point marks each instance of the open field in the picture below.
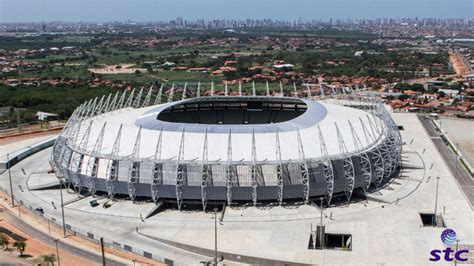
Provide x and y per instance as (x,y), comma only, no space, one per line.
(116,69)
(460,132)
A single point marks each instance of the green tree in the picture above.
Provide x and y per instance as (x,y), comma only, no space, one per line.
(403,97)
(20,246)
(4,241)
(48,258)
(149,68)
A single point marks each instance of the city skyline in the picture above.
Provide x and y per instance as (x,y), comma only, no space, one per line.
(165,10)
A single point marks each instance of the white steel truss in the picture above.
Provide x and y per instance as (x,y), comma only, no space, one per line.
(159,95)
(129,101)
(327,168)
(280,171)
(93,162)
(180,173)
(254,170)
(113,165)
(205,173)
(183,97)
(121,102)
(147,100)
(157,179)
(134,169)
(136,102)
(348,166)
(78,160)
(198,93)
(364,160)
(231,170)
(171,94)
(303,167)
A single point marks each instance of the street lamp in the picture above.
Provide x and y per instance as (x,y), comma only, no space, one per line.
(321,225)
(10,178)
(457,248)
(436,201)
(57,250)
(215,236)
(62,205)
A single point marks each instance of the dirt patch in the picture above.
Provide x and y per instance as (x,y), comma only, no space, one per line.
(35,248)
(459,64)
(19,137)
(116,69)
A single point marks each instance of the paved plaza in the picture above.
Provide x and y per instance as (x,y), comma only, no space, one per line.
(386,229)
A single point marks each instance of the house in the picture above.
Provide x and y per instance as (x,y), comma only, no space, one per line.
(44,116)
(283,66)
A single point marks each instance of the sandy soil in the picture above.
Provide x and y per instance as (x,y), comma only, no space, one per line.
(461,131)
(35,248)
(112,69)
(16,138)
(31,129)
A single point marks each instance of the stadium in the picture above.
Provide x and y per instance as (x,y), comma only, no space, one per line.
(225,148)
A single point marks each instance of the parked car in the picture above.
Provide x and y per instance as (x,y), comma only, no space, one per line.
(93,203)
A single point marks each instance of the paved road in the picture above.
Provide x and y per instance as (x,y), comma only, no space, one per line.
(45,238)
(462,177)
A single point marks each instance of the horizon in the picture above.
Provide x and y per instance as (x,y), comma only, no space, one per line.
(342,19)
(70,11)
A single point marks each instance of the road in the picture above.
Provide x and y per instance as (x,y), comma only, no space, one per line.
(460,64)
(45,238)
(462,177)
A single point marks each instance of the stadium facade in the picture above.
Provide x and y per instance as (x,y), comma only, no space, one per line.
(241,148)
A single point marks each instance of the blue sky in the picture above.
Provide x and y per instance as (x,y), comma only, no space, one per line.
(153,10)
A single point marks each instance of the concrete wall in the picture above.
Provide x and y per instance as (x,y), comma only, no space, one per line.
(21,154)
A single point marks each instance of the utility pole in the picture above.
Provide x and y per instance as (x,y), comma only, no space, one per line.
(215,236)
(102,248)
(10,178)
(457,248)
(62,205)
(57,250)
(436,201)
(321,224)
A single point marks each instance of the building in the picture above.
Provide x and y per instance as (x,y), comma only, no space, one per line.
(227,148)
(44,116)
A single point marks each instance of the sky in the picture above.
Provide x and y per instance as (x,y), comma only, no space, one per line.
(164,10)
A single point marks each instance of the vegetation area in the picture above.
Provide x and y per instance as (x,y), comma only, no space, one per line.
(322,51)
(18,245)
(61,99)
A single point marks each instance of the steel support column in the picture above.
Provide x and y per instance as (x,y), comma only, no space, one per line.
(134,169)
(157,179)
(113,165)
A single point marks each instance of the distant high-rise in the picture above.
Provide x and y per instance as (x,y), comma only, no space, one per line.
(179,21)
